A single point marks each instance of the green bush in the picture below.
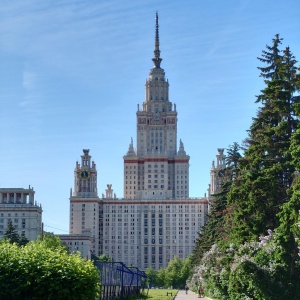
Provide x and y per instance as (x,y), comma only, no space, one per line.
(248,281)
(37,272)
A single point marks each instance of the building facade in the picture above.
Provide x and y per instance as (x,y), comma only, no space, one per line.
(78,243)
(156,219)
(18,206)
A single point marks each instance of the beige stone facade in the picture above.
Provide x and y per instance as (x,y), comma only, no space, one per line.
(155,220)
(18,206)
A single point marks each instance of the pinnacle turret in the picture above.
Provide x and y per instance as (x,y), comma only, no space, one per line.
(131,152)
(181,151)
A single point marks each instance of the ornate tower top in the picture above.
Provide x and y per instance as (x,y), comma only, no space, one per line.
(86,151)
(85,177)
(156,60)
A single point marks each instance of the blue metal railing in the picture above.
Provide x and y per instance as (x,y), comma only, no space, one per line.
(119,281)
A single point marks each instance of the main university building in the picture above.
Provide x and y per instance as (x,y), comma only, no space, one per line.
(155,220)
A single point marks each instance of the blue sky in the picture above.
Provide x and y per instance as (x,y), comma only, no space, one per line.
(73,71)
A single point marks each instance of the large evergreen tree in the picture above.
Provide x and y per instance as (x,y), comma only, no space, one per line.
(264,194)
(11,234)
(214,230)
(266,169)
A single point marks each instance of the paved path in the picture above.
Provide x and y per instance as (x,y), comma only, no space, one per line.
(181,295)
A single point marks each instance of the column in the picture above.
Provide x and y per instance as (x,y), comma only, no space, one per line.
(31,198)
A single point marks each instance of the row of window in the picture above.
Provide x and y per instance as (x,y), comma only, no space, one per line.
(11,214)
(156,166)
(111,210)
(14,221)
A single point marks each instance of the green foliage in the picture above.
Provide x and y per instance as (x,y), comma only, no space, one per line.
(248,281)
(35,271)
(266,170)
(12,236)
(177,272)
(233,157)
(50,241)
(101,258)
(263,195)
(104,258)
(153,274)
(214,230)
(10,233)
(175,275)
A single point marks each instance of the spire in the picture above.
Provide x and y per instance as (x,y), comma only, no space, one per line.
(156,60)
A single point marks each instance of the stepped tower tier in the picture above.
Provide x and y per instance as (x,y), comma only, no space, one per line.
(155,170)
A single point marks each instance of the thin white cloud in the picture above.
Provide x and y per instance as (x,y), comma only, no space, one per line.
(29,79)
(225,34)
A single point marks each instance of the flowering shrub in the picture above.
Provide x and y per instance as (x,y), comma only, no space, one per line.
(254,270)
(214,272)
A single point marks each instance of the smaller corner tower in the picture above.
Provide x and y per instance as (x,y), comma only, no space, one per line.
(217,172)
(86,209)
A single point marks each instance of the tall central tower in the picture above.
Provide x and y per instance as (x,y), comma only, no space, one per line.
(155,169)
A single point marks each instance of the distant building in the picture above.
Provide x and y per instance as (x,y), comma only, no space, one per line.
(18,206)
(156,220)
(78,242)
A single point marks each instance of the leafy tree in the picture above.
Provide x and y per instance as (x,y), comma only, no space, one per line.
(101,258)
(104,258)
(162,278)
(153,274)
(175,273)
(50,241)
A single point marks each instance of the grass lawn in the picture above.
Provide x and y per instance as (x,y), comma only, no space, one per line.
(158,294)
